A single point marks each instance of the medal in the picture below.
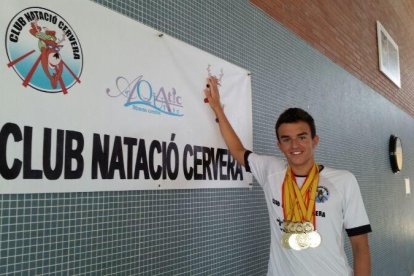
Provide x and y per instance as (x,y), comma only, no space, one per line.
(293,242)
(299,227)
(285,240)
(302,240)
(286,225)
(314,239)
(308,227)
(292,227)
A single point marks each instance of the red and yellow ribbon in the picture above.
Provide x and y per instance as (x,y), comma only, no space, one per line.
(299,204)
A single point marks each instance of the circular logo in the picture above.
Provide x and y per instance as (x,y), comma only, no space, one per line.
(44,50)
(322,195)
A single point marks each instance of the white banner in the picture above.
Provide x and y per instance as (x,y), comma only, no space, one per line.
(94,101)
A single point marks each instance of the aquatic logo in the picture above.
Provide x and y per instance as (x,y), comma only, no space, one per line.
(322,195)
(144,96)
(44,50)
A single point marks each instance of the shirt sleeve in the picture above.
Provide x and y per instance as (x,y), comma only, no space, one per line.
(261,166)
(356,220)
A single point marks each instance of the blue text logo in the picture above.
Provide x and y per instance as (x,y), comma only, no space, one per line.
(144,97)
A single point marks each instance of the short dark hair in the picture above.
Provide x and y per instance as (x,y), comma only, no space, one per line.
(294,115)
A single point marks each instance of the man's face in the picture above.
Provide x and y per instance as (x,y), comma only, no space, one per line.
(297,144)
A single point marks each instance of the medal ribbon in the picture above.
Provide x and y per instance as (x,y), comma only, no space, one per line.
(299,205)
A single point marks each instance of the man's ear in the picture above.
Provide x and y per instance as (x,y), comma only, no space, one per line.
(315,140)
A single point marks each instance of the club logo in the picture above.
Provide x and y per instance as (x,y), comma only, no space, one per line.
(322,195)
(44,50)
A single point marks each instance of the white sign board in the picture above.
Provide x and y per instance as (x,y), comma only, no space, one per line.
(110,104)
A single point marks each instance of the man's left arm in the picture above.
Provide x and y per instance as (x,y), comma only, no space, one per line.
(357,226)
(361,255)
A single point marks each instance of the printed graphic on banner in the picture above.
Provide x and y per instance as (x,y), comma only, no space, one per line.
(143,96)
(44,50)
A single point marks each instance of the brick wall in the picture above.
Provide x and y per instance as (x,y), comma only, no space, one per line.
(345,31)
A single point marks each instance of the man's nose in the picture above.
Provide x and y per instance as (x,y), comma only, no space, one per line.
(294,143)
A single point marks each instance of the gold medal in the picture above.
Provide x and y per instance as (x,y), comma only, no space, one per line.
(293,242)
(302,240)
(286,226)
(314,239)
(308,227)
(285,240)
(292,227)
(299,228)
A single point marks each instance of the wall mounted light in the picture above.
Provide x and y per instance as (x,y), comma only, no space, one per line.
(396,154)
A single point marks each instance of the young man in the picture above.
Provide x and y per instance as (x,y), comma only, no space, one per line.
(309,204)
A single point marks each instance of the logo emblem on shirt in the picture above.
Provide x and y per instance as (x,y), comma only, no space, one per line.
(322,194)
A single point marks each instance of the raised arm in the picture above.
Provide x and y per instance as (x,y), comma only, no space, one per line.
(233,142)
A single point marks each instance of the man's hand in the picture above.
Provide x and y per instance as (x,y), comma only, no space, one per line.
(212,94)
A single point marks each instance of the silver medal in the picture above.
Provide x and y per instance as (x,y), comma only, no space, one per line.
(314,239)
